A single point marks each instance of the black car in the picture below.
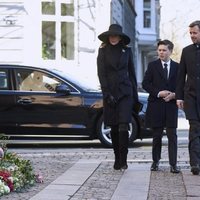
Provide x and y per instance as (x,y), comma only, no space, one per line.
(38,101)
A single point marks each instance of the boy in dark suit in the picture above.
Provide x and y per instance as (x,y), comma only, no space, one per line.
(160,82)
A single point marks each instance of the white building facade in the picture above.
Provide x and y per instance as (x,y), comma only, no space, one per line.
(63,33)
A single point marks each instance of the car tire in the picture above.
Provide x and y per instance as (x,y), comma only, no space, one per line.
(104,132)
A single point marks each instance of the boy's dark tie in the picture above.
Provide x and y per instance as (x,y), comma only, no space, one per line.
(165,70)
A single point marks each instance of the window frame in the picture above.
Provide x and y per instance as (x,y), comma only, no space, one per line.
(147,21)
(58,18)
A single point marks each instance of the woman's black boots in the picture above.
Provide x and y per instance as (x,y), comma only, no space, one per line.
(115,143)
(123,148)
(120,142)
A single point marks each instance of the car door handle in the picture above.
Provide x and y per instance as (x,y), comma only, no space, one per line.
(24,101)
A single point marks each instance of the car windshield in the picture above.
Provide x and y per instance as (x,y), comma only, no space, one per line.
(78,81)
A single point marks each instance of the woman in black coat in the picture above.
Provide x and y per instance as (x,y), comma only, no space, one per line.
(119,87)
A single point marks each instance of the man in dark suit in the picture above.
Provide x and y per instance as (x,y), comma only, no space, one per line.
(188,93)
(160,82)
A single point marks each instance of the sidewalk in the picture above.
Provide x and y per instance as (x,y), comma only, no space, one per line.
(95,179)
(192,184)
(133,184)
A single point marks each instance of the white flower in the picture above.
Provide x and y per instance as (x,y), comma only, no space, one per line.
(6,189)
(11,168)
(1,153)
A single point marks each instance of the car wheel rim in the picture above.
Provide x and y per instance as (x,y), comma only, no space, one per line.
(105,130)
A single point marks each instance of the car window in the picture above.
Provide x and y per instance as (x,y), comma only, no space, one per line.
(81,82)
(31,80)
(3,80)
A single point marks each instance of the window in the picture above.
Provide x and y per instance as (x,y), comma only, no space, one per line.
(58,29)
(67,9)
(147,14)
(48,40)
(67,42)
(3,80)
(48,8)
(29,80)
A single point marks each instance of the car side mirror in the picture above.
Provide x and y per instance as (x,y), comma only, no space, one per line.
(64,89)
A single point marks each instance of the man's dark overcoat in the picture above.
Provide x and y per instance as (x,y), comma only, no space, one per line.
(117,78)
(160,113)
(189,90)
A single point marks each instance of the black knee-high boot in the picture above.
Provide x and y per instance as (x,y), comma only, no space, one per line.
(123,148)
(115,144)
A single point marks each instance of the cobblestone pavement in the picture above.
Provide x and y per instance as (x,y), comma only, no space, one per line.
(101,184)
(51,163)
(166,186)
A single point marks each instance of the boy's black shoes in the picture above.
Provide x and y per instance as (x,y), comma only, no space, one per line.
(174,169)
(195,170)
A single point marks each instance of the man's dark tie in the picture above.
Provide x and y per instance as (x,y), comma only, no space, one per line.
(165,70)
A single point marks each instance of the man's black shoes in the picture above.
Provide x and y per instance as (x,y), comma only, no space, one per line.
(174,169)
(154,166)
(195,170)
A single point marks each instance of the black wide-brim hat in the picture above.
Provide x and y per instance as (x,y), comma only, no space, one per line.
(114,29)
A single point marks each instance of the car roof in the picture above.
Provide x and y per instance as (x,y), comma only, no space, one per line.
(71,78)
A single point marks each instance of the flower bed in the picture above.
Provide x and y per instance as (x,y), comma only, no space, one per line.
(16,173)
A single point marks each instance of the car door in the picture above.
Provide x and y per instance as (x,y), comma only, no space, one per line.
(7,99)
(38,103)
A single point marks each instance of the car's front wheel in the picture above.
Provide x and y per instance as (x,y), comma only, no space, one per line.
(104,132)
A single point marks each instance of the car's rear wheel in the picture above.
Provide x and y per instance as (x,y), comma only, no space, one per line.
(104,132)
